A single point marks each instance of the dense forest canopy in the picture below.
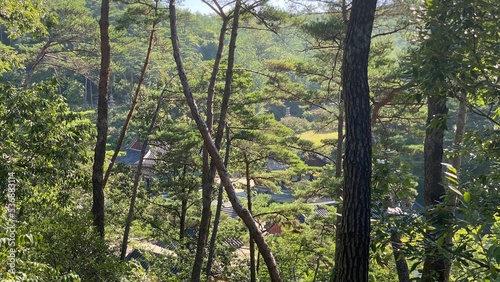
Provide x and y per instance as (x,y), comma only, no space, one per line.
(146,142)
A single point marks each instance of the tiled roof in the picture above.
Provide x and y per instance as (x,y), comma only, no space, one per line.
(137,255)
(275,229)
(301,218)
(161,244)
(191,232)
(233,242)
(133,153)
(322,212)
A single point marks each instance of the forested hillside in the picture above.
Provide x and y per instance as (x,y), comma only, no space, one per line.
(312,141)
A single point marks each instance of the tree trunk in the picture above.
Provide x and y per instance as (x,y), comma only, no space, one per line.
(137,179)
(253,276)
(102,122)
(209,171)
(401,264)
(182,224)
(338,167)
(243,213)
(218,210)
(435,262)
(352,252)
(215,72)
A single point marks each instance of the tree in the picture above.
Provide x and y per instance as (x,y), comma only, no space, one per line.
(138,178)
(102,122)
(178,169)
(208,165)
(303,249)
(435,264)
(258,139)
(352,250)
(70,35)
(136,97)
(455,36)
(243,213)
(47,147)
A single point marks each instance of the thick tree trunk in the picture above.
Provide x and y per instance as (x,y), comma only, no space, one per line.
(352,252)
(102,122)
(137,179)
(243,213)
(340,146)
(435,262)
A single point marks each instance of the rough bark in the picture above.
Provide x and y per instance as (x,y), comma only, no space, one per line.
(338,168)
(102,122)
(243,213)
(434,191)
(352,252)
(137,179)
(133,106)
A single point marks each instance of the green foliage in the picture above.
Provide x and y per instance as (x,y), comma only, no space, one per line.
(304,251)
(19,17)
(299,125)
(44,141)
(46,147)
(60,246)
(259,139)
(70,43)
(459,50)
(326,30)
